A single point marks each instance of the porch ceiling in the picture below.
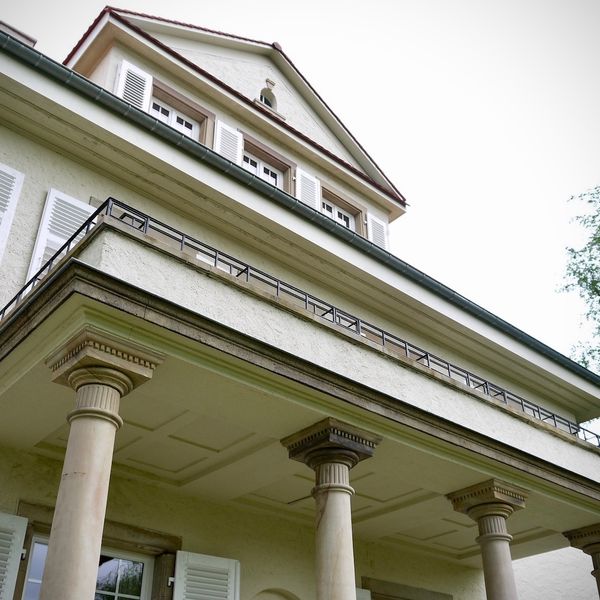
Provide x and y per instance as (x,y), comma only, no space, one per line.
(209,424)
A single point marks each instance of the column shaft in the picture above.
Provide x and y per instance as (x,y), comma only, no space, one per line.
(497,561)
(334,551)
(489,504)
(596,571)
(76,536)
(331,448)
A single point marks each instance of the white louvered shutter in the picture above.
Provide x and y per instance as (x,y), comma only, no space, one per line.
(134,85)
(10,189)
(202,577)
(229,142)
(12,534)
(377,231)
(61,218)
(308,189)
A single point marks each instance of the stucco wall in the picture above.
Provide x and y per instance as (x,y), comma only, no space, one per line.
(273,553)
(306,121)
(246,72)
(162,275)
(268,250)
(547,576)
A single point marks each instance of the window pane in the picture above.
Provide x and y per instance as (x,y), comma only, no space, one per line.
(32,591)
(107,574)
(130,579)
(250,165)
(38,559)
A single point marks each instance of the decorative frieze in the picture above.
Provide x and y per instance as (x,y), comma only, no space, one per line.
(585,538)
(92,348)
(493,491)
(331,440)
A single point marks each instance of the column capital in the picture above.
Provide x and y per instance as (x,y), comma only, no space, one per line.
(331,440)
(491,497)
(585,538)
(98,353)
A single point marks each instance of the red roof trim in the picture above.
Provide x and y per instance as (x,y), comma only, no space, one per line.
(393,193)
(190,25)
(89,30)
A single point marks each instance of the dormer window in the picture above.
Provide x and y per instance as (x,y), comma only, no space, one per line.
(338,214)
(141,90)
(167,114)
(253,156)
(263,170)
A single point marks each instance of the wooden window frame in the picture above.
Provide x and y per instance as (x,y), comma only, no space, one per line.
(337,199)
(271,158)
(187,108)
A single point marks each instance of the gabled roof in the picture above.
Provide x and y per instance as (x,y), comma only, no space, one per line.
(147,26)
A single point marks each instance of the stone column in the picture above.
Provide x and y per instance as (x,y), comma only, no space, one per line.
(101,370)
(588,540)
(331,449)
(490,504)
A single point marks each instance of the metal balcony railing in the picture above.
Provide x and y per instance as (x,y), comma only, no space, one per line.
(324,310)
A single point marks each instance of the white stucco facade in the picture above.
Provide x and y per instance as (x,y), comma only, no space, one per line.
(251,350)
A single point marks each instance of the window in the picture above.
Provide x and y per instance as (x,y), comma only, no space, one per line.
(267,97)
(264,98)
(263,170)
(167,114)
(121,576)
(141,90)
(338,214)
(253,156)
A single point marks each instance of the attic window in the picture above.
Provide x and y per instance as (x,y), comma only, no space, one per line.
(142,91)
(267,97)
(264,98)
(340,210)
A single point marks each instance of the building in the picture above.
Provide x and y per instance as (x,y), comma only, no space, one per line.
(193,258)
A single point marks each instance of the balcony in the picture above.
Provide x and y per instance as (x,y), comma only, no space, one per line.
(246,275)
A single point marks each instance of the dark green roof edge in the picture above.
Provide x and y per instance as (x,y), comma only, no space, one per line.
(90,90)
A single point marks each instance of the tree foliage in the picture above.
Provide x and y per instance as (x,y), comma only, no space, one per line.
(583,275)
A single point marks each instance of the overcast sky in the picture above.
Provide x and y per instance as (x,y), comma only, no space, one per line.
(484,113)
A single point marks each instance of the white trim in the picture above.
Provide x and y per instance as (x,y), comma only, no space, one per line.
(339,215)
(11,182)
(377,231)
(171,118)
(88,41)
(12,535)
(308,189)
(229,142)
(197,573)
(261,165)
(133,85)
(61,218)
